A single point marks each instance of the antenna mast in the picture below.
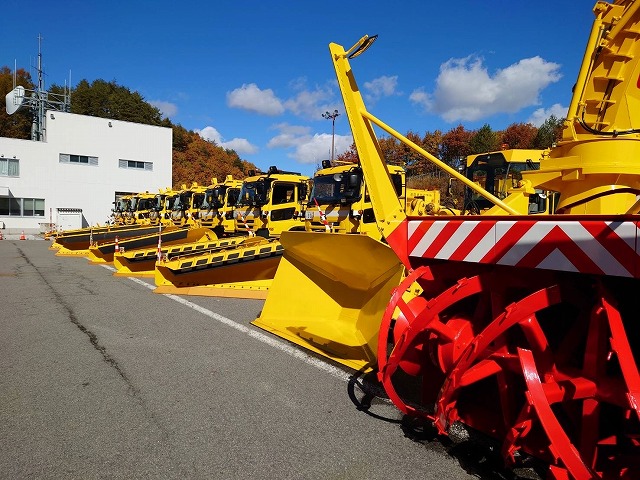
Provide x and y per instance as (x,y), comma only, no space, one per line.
(38,100)
(38,127)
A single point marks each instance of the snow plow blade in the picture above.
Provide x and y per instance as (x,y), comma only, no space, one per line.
(77,242)
(142,262)
(103,253)
(245,270)
(329,294)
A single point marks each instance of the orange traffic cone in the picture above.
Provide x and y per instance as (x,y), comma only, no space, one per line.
(22,237)
(117,249)
(1,237)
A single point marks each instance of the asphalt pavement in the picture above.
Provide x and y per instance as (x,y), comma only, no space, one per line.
(102,378)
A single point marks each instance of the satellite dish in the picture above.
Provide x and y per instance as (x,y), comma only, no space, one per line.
(14,99)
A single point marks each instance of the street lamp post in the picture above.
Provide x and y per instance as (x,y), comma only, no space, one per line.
(332,116)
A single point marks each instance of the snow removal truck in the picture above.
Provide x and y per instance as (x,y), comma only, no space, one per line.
(517,322)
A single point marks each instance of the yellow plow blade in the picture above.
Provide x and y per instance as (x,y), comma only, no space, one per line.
(329,294)
(142,262)
(103,253)
(77,242)
(242,271)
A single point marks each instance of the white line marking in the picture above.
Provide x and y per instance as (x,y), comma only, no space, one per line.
(271,341)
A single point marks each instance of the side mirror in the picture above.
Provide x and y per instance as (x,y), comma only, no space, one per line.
(302,192)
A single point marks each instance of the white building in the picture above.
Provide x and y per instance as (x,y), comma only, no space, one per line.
(83,164)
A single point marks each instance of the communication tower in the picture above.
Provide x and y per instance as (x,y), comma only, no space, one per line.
(38,101)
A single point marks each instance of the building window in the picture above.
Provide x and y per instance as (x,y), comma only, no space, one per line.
(78,159)
(135,164)
(22,207)
(9,167)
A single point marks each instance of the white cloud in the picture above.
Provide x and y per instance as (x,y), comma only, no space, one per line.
(538,117)
(308,148)
(299,83)
(250,97)
(318,148)
(307,103)
(421,97)
(289,136)
(311,103)
(210,134)
(466,91)
(291,129)
(380,87)
(167,109)
(241,145)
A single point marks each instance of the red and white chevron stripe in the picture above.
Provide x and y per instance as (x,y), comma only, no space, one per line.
(587,246)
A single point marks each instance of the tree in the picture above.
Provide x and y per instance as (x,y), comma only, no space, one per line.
(392,150)
(455,146)
(349,156)
(411,159)
(419,164)
(181,138)
(484,140)
(198,160)
(432,142)
(17,125)
(519,135)
(110,100)
(549,132)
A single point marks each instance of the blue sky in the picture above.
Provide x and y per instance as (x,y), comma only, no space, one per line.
(256,76)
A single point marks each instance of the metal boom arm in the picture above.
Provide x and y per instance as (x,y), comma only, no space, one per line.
(388,210)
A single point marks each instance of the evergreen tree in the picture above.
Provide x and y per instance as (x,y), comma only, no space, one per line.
(484,140)
(110,100)
(549,132)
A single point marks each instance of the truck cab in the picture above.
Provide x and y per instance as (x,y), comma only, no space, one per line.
(271,203)
(143,206)
(216,209)
(339,201)
(501,174)
(120,206)
(157,207)
(186,206)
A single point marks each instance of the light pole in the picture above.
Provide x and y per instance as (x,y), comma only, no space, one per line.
(332,116)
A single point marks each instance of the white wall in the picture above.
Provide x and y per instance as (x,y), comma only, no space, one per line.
(73,185)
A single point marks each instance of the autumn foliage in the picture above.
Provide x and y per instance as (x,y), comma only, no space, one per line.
(17,125)
(455,145)
(198,160)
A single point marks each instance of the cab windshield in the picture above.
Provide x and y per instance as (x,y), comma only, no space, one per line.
(144,204)
(196,200)
(122,205)
(158,201)
(213,198)
(336,188)
(232,196)
(169,201)
(496,176)
(253,194)
(182,201)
